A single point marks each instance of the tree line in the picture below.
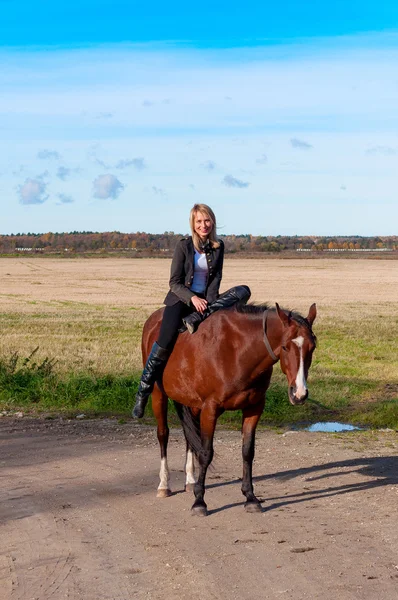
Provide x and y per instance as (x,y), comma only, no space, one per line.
(150,244)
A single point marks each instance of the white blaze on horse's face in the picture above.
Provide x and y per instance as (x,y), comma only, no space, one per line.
(301,384)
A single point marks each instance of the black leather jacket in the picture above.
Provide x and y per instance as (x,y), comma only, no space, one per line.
(182,271)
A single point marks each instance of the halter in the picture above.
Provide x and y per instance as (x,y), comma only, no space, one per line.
(266,340)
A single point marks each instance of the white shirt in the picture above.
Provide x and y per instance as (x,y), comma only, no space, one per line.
(200,273)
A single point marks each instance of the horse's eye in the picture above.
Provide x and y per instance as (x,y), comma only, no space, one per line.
(284,348)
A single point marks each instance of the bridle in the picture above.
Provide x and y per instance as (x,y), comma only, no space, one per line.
(266,340)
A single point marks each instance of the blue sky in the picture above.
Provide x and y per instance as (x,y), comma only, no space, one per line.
(115,116)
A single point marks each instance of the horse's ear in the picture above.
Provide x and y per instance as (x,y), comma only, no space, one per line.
(311,314)
(282,315)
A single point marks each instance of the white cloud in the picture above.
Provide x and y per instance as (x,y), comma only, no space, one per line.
(384,150)
(101,163)
(230,181)
(342,85)
(63,172)
(33,191)
(300,144)
(158,191)
(138,163)
(65,199)
(209,165)
(107,186)
(48,154)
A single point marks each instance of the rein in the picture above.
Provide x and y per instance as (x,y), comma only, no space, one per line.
(266,340)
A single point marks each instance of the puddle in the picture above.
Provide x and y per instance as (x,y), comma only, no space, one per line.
(330,427)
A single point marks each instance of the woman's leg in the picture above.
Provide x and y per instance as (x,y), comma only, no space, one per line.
(159,355)
(171,322)
(239,293)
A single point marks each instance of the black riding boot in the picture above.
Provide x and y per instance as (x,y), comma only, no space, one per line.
(239,293)
(152,372)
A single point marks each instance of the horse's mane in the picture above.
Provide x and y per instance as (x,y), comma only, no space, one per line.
(253,309)
(258,309)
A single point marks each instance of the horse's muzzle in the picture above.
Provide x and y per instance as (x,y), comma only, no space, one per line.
(294,398)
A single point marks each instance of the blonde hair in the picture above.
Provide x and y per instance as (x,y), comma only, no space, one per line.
(205,210)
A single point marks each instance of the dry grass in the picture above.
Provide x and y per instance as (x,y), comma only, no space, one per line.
(88,313)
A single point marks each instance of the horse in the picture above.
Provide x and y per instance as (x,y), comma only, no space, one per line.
(227,365)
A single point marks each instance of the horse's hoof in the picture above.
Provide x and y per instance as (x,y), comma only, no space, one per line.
(163,493)
(253,507)
(199,511)
(189,487)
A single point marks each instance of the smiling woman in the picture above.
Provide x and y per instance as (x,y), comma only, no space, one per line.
(195,279)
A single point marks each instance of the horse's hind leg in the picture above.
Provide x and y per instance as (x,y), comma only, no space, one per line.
(189,470)
(159,407)
(190,457)
(251,417)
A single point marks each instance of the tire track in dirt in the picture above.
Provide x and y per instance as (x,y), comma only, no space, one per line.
(36,266)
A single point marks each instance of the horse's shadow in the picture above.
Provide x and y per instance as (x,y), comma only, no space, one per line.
(383,470)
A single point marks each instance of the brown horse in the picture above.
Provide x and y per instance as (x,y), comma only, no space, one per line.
(227,365)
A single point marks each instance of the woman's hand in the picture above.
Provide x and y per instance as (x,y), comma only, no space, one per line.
(199,303)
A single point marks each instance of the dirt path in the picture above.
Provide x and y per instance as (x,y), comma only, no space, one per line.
(80,518)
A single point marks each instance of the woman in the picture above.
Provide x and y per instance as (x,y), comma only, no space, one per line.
(195,278)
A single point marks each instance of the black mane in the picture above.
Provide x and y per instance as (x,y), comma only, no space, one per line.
(253,309)
(258,309)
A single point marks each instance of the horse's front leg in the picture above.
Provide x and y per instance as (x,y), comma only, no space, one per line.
(159,407)
(208,420)
(250,417)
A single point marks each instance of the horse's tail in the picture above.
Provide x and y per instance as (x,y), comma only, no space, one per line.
(191,426)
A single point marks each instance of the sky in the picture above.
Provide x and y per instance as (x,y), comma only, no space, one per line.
(283,117)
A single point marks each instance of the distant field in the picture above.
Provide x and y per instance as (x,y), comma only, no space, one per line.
(87,315)
(144,282)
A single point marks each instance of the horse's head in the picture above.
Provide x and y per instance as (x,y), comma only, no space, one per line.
(297,345)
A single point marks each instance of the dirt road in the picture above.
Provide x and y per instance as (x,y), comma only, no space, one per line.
(80,518)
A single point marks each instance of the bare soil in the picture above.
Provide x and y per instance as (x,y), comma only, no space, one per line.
(144,282)
(80,518)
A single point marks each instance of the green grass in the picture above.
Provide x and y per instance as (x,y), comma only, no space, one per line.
(354,377)
(82,339)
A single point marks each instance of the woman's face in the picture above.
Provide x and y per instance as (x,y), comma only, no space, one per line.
(202,225)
